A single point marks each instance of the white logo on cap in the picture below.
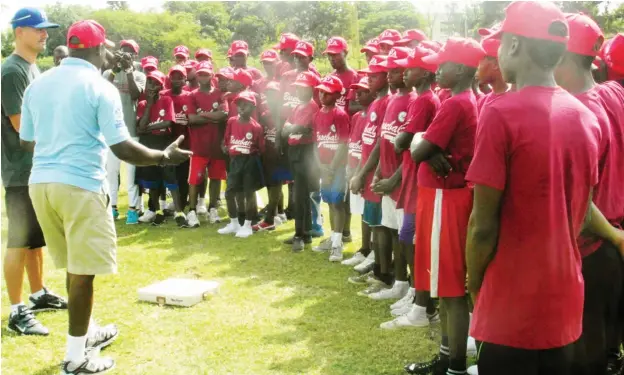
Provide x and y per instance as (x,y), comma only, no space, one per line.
(283,40)
(373,61)
(344,91)
(386,34)
(333,42)
(392,53)
(412,53)
(239,44)
(248,136)
(162,112)
(402,116)
(333,128)
(301,76)
(215,105)
(301,45)
(184,107)
(373,116)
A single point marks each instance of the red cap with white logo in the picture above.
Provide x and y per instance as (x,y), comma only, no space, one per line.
(389,37)
(181,51)
(374,65)
(336,45)
(307,79)
(460,51)
(330,84)
(239,46)
(269,56)
(304,49)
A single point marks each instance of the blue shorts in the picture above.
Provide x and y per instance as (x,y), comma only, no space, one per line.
(372,213)
(280,175)
(408,229)
(337,191)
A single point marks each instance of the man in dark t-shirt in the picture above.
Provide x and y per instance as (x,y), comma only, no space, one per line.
(25,238)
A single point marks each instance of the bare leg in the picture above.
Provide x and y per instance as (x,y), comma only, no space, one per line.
(215,193)
(34,269)
(251,206)
(194,191)
(458,321)
(80,304)
(177,200)
(14,262)
(202,189)
(338,217)
(400,262)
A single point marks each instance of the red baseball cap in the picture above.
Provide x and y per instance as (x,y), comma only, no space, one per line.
(87,34)
(389,36)
(287,41)
(336,45)
(304,49)
(177,68)
(203,52)
(226,72)
(410,35)
(307,79)
(586,38)
(613,54)
(532,19)
(490,46)
(460,51)
(204,67)
(181,51)
(415,59)
(374,65)
(362,84)
(247,96)
(396,53)
(149,62)
(190,64)
(243,76)
(330,84)
(430,44)
(239,46)
(134,45)
(269,56)
(157,76)
(273,85)
(371,46)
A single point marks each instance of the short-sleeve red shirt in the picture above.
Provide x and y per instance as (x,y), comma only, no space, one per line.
(370,135)
(181,106)
(348,77)
(162,110)
(244,138)
(206,139)
(303,115)
(358,122)
(331,126)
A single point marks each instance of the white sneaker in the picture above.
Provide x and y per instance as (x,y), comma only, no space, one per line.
(356,259)
(323,246)
(92,364)
(398,291)
(231,228)
(408,299)
(283,217)
(471,347)
(201,208)
(148,216)
(277,221)
(417,317)
(170,206)
(370,259)
(473,370)
(402,310)
(336,254)
(244,232)
(193,220)
(213,216)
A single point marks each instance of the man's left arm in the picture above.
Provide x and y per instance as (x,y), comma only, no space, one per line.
(136,83)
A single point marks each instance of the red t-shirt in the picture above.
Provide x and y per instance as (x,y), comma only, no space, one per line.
(358,122)
(181,106)
(303,115)
(606,101)
(372,132)
(206,139)
(486,99)
(444,94)
(244,138)
(420,113)
(453,130)
(393,123)
(540,147)
(348,77)
(289,92)
(161,111)
(331,126)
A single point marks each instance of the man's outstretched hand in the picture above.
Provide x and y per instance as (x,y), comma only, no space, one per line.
(174,155)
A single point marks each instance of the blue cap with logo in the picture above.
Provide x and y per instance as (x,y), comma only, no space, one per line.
(32,17)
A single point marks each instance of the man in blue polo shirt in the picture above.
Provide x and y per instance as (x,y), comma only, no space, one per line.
(70,133)
(25,239)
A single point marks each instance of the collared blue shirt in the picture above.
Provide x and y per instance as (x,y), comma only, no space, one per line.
(73,115)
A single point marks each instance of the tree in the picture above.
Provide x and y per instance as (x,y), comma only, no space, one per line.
(65,16)
(8,45)
(375,17)
(213,17)
(117,5)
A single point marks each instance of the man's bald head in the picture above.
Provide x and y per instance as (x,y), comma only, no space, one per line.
(60,53)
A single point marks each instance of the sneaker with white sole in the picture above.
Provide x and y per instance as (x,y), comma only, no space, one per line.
(213,216)
(356,259)
(408,299)
(244,231)
(147,217)
(473,370)
(402,310)
(92,364)
(181,220)
(283,217)
(277,221)
(336,254)
(415,318)
(100,337)
(471,347)
(193,220)
(373,288)
(360,279)
(201,207)
(23,322)
(231,228)
(323,246)
(46,302)
(368,262)
(398,291)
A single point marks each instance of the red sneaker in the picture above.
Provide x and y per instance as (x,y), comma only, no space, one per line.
(262,226)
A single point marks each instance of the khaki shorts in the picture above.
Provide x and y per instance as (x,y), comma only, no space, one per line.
(78,227)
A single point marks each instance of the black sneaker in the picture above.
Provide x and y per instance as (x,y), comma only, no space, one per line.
(297,245)
(91,365)
(46,302)
(168,213)
(102,336)
(23,322)
(306,240)
(437,366)
(181,220)
(289,213)
(159,219)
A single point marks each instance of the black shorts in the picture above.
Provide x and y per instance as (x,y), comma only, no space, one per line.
(499,359)
(245,174)
(24,230)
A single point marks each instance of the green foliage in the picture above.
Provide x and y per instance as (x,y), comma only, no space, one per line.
(375,17)
(8,39)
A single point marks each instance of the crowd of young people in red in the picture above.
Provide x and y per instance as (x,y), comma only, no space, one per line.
(487,176)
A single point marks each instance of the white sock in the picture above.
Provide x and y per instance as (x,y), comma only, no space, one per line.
(76,348)
(415,312)
(336,239)
(247,224)
(38,294)
(163,205)
(234,221)
(16,306)
(399,284)
(93,327)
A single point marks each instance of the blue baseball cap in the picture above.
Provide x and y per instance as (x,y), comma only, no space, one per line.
(32,17)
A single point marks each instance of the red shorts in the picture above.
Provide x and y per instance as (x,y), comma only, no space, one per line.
(199,165)
(440,244)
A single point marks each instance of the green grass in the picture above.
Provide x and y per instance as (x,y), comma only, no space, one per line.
(276,312)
